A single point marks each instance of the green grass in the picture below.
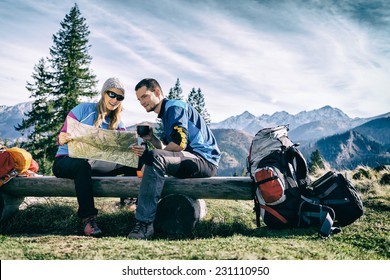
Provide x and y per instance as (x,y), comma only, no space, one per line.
(50,230)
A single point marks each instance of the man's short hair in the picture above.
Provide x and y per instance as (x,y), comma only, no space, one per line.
(149,83)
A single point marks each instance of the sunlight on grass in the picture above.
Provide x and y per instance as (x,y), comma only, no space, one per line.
(48,228)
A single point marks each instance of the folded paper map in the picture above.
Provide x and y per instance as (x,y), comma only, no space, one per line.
(101,144)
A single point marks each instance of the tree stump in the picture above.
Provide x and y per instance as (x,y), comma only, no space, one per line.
(9,205)
(177,215)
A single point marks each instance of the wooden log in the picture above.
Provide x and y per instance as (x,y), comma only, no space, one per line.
(236,188)
(191,190)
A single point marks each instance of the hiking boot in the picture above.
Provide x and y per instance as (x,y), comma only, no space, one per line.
(141,230)
(90,227)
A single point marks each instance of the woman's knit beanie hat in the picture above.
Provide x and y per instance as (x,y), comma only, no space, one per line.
(113,83)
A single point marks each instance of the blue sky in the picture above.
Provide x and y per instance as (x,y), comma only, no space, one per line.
(259,56)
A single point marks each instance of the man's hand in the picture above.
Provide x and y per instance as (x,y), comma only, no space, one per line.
(138,150)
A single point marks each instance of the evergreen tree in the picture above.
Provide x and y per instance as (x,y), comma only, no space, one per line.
(59,89)
(4,142)
(196,99)
(39,120)
(316,162)
(70,62)
(176,91)
(192,97)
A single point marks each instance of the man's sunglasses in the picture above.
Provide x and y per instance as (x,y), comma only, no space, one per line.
(112,94)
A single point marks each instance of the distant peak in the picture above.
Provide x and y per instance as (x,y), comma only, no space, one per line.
(281,113)
(246,114)
(335,111)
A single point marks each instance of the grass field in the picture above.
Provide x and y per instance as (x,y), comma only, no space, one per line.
(48,229)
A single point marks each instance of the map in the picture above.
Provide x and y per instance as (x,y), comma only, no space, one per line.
(101,144)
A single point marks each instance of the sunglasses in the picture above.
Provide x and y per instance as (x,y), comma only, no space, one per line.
(112,94)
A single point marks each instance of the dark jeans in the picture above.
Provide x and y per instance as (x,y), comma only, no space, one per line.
(81,172)
(159,163)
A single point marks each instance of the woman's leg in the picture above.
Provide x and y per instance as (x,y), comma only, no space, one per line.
(104,168)
(80,171)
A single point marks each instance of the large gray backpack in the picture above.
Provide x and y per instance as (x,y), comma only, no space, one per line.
(271,146)
(280,174)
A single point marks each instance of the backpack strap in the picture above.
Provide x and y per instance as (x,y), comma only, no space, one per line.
(325,215)
(266,180)
(256,206)
(297,167)
(320,197)
(274,213)
(336,201)
(328,191)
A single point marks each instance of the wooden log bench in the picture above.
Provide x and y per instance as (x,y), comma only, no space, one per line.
(178,211)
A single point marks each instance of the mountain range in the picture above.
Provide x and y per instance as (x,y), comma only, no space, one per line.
(11,116)
(344,142)
(305,126)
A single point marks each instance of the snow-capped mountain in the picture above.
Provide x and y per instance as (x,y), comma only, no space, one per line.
(304,126)
(11,116)
(326,129)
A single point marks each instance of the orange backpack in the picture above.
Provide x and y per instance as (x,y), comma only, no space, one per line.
(7,163)
(22,159)
(34,167)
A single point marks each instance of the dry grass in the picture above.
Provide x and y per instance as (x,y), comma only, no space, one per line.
(48,228)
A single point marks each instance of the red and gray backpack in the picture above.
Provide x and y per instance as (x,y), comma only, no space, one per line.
(280,174)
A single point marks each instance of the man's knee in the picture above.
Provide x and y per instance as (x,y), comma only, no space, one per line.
(166,162)
(187,169)
(156,155)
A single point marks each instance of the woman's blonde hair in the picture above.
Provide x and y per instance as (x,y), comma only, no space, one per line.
(114,116)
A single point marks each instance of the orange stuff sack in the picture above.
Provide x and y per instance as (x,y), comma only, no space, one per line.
(34,167)
(7,163)
(22,159)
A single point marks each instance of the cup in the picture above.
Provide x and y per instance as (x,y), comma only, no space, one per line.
(143,130)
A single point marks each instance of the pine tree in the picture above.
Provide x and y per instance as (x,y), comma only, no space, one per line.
(176,91)
(4,142)
(38,122)
(317,162)
(70,62)
(192,97)
(59,89)
(196,99)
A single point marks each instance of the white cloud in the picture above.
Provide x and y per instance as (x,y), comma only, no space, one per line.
(244,55)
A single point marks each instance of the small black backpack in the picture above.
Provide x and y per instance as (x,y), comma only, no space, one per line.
(333,189)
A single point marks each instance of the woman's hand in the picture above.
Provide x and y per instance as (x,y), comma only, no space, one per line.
(64,138)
